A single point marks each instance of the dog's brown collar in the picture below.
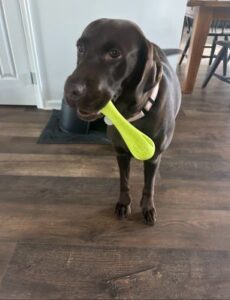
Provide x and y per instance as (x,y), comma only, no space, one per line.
(147,106)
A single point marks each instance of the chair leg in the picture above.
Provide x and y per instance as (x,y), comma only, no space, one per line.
(186,23)
(213,49)
(214,66)
(225,62)
(185,50)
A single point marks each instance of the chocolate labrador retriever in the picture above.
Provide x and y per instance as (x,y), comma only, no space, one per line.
(116,61)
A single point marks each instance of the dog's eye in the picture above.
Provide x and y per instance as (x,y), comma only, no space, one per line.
(80,49)
(114,53)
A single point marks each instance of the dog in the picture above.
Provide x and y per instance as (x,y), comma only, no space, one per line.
(117,62)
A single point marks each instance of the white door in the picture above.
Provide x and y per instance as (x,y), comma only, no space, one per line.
(16,78)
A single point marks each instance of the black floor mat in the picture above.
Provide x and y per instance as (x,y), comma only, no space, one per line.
(52,134)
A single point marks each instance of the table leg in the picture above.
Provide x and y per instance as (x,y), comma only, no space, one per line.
(200,31)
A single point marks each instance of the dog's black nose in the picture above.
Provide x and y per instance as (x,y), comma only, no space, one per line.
(74,91)
(78,90)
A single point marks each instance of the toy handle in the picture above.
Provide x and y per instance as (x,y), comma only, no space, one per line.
(139,144)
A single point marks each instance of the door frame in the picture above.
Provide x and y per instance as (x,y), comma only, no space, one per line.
(28,27)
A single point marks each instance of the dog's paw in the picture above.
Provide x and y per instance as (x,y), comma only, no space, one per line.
(149,216)
(122,210)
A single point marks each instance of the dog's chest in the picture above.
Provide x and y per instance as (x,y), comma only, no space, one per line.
(116,138)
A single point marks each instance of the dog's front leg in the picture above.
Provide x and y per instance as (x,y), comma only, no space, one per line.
(123,206)
(147,201)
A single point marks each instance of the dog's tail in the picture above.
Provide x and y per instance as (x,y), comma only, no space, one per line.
(171,51)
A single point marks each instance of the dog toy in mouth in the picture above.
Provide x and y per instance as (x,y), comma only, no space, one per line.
(139,144)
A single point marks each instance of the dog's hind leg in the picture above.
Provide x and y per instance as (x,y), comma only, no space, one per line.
(147,201)
(123,206)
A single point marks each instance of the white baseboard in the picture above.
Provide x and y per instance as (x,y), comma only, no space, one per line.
(53,104)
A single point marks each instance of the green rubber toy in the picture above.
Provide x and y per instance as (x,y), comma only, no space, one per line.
(139,144)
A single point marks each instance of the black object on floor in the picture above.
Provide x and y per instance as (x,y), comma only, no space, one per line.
(64,127)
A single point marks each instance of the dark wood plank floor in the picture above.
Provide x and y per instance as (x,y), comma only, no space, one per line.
(59,238)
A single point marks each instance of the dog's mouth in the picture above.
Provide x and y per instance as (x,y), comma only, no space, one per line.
(90,117)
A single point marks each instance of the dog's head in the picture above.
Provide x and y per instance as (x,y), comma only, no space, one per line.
(114,59)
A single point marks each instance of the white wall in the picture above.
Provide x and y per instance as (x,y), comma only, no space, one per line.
(58,24)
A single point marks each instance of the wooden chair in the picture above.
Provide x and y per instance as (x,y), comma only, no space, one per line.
(222,56)
(218,29)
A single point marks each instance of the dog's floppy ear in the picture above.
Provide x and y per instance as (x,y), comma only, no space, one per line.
(152,70)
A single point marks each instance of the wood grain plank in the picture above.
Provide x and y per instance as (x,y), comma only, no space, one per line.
(6,253)
(170,193)
(29,145)
(33,130)
(42,271)
(103,166)
(57,190)
(194,194)
(194,149)
(54,165)
(22,115)
(195,276)
(199,169)
(64,211)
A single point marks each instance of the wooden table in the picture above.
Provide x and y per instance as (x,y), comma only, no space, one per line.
(204,13)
